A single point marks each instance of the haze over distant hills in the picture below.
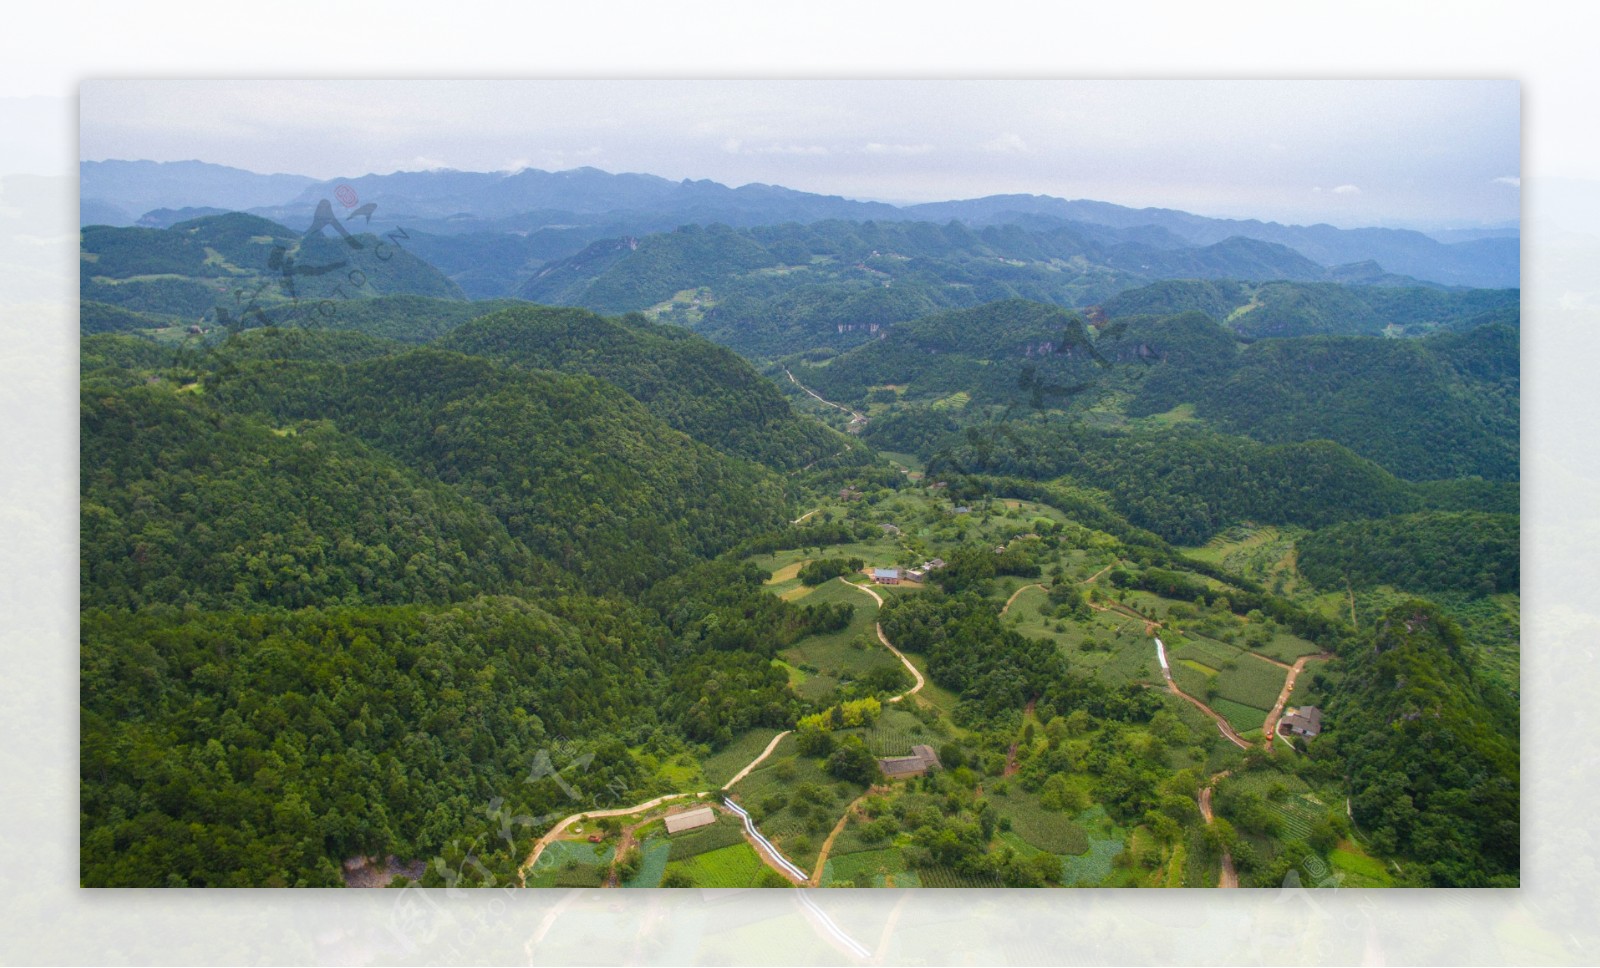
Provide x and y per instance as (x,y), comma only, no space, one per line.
(517,221)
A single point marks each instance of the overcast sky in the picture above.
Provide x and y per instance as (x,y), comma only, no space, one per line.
(1422,153)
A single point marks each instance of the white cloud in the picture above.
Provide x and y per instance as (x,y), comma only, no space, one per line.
(789,150)
(1008,142)
(424,163)
(732,145)
(1513,180)
(877,148)
(1347,190)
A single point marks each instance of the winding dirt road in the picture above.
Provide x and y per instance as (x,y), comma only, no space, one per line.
(1007,606)
(757,761)
(1270,727)
(827,845)
(1222,724)
(554,832)
(890,645)
(856,417)
(1230,876)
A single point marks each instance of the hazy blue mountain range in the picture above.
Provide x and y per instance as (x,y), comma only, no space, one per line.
(565,211)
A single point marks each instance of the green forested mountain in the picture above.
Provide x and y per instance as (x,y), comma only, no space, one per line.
(1442,406)
(574,467)
(773,290)
(98,317)
(1434,551)
(417,576)
(233,749)
(694,386)
(238,270)
(1186,484)
(1317,308)
(983,352)
(1431,751)
(184,505)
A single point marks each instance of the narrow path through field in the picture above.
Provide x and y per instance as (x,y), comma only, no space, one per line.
(1007,606)
(1230,876)
(1270,727)
(755,762)
(560,828)
(890,645)
(1222,724)
(555,832)
(1092,578)
(856,417)
(805,515)
(827,845)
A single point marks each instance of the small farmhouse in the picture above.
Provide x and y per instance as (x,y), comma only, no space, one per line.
(886,576)
(689,819)
(1301,721)
(921,760)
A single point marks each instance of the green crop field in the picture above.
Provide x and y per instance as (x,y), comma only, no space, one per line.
(571,863)
(895,732)
(877,865)
(728,829)
(1192,678)
(1251,682)
(1048,830)
(734,866)
(1093,866)
(946,877)
(720,766)
(1206,651)
(849,653)
(1287,648)
(1238,715)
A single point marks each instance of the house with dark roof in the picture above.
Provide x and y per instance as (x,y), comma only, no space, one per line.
(1301,721)
(921,760)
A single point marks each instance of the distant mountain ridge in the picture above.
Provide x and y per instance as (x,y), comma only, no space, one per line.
(586,204)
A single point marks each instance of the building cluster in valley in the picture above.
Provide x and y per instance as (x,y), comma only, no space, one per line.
(917,575)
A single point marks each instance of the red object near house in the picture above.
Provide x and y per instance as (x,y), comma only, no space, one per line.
(594,838)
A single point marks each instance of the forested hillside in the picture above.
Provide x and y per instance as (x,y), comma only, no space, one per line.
(694,386)
(1321,308)
(1439,551)
(573,466)
(1432,751)
(237,270)
(773,290)
(1442,406)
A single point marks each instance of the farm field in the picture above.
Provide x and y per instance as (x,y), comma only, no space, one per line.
(794,802)
(721,766)
(571,863)
(1242,718)
(833,658)
(737,865)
